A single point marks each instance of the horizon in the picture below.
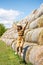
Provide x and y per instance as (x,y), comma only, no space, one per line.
(15,10)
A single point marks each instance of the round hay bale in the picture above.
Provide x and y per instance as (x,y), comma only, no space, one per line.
(36,56)
(25,53)
(33,54)
(40,40)
(33,36)
(10,34)
(40,22)
(8,41)
(36,23)
(26,50)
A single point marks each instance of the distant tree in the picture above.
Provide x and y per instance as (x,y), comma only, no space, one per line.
(2,29)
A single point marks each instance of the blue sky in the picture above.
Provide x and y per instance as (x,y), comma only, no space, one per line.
(11,10)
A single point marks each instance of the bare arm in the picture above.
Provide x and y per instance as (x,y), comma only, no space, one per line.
(25,26)
(15,26)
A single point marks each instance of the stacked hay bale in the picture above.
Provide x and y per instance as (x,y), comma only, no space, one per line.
(33,16)
(35,35)
(10,36)
(37,23)
(34,53)
(33,45)
(31,52)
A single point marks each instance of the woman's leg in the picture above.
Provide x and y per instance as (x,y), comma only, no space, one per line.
(21,46)
(17,47)
(17,50)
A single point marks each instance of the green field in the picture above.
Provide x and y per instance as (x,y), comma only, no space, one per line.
(7,56)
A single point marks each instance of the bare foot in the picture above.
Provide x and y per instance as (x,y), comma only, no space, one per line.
(15,53)
(21,54)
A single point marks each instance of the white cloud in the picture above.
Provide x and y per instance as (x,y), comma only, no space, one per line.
(7,17)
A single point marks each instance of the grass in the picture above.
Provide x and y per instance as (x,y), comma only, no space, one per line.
(7,56)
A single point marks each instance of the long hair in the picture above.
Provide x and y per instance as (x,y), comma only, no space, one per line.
(19,27)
